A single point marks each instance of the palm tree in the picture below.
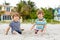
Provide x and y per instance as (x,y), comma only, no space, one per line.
(26,8)
(6,3)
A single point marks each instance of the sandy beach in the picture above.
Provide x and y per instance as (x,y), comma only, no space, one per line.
(52,33)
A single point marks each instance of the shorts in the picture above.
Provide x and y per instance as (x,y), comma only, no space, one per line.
(36,31)
(18,31)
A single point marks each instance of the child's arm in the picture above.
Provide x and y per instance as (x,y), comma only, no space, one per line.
(32,27)
(6,31)
(44,28)
(45,25)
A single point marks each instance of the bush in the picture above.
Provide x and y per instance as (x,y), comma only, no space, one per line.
(52,21)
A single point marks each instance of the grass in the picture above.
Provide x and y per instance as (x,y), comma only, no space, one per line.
(5,21)
(29,21)
(51,21)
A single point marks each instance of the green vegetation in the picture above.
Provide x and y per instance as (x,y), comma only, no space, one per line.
(48,21)
(27,10)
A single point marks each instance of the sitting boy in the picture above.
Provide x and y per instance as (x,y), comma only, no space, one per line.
(14,25)
(40,22)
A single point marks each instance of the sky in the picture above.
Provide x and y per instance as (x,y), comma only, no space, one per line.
(38,3)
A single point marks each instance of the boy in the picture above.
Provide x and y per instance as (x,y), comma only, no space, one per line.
(40,22)
(14,25)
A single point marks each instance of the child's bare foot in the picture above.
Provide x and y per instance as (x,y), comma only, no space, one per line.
(22,29)
(14,33)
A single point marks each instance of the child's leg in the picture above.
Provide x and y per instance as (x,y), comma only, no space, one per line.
(36,31)
(13,32)
(41,30)
(19,31)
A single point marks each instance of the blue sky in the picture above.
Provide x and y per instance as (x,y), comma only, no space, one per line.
(38,3)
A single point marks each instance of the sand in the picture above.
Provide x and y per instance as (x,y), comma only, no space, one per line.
(52,33)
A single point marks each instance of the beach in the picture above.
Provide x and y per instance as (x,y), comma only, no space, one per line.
(52,33)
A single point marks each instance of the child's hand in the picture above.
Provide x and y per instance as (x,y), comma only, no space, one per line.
(31,28)
(44,30)
(6,33)
(6,30)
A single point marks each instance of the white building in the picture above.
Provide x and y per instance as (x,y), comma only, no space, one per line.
(7,9)
(57,14)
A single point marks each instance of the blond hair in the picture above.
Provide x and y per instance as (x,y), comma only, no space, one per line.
(15,14)
(40,12)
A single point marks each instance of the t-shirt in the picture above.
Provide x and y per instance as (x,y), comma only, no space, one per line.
(40,23)
(15,26)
